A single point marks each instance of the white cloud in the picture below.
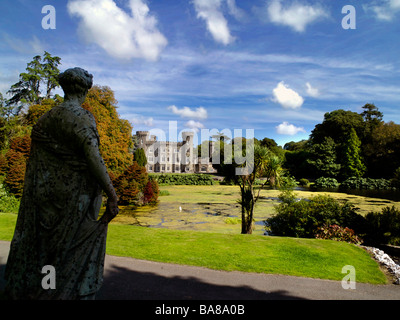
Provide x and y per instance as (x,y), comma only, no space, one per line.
(384,10)
(121,35)
(199,114)
(286,97)
(235,11)
(210,11)
(296,16)
(140,120)
(288,129)
(312,92)
(195,125)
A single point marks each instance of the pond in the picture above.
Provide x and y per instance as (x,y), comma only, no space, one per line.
(210,217)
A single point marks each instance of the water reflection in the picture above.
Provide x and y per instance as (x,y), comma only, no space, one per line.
(215,217)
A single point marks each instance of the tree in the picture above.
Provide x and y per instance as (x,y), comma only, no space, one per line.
(384,152)
(134,187)
(140,157)
(50,73)
(16,158)
(263,163)
(336,125)
(323,159)
(115,133)
(27,89)
(353,165)
(372,115)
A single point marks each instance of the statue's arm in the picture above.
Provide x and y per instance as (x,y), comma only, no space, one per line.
(98,169)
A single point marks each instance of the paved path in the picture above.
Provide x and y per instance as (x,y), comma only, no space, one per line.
(131,279)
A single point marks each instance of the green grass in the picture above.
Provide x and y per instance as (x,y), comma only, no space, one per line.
(249,253)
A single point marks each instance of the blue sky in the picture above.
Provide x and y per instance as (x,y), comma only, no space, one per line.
(275,66)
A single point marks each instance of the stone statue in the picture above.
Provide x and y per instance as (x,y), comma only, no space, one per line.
(58,223)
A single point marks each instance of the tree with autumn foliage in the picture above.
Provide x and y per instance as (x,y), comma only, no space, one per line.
(115,133)
(134,187)
(16,158)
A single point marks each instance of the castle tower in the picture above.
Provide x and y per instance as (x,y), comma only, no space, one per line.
(142,137)
(187,155)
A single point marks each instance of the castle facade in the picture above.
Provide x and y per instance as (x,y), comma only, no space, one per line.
(173,157)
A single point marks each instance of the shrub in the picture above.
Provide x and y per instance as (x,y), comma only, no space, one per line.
(338,233)
(303,218)
(164,193)
(130,184)
(304,182)
(366,184)
(8,203)
(183,179)
(151,192)
(383,227)
(326,183)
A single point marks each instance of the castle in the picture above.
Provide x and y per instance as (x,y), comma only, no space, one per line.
(173,157)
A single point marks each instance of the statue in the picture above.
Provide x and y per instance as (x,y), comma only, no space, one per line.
(58,223)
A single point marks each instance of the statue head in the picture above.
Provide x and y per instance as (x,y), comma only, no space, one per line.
(75,81)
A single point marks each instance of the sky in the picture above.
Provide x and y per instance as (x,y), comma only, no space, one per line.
(272,66)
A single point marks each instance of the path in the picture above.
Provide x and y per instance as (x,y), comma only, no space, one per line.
(132,279)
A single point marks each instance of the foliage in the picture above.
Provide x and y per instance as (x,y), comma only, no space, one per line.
(151,192)
(130,185)
(263,164)
(140,157)
(297,163)
(183,179)
(115,133)
(27,89)
(303,218)
(353,163)
(381,151)
(304,182)
(383,227)
(336,125)
(16,158)
(338,233)
(323,158)
(365,184)
(326,183)
(8,202)
(35,111)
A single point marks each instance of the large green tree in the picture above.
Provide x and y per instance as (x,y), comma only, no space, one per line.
(40,71)
(353,165)
(323,158)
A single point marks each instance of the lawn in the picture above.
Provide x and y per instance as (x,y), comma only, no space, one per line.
(248,253)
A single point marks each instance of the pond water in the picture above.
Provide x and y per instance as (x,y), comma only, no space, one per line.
(210,217)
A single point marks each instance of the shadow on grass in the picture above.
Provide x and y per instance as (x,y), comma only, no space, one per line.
(124,284)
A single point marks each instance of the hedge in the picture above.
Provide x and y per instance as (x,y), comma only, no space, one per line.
(183,179)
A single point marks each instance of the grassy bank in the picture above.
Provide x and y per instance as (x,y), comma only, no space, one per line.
(249,253)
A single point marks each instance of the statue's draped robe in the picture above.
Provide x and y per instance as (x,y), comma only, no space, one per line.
(57,222)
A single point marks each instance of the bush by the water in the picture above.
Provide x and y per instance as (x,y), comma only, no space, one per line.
(326,183)
(183,179)
(383,227)
(366,184)
(303,218)
(326,218)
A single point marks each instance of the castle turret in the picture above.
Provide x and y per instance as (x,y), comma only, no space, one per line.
(187,151)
